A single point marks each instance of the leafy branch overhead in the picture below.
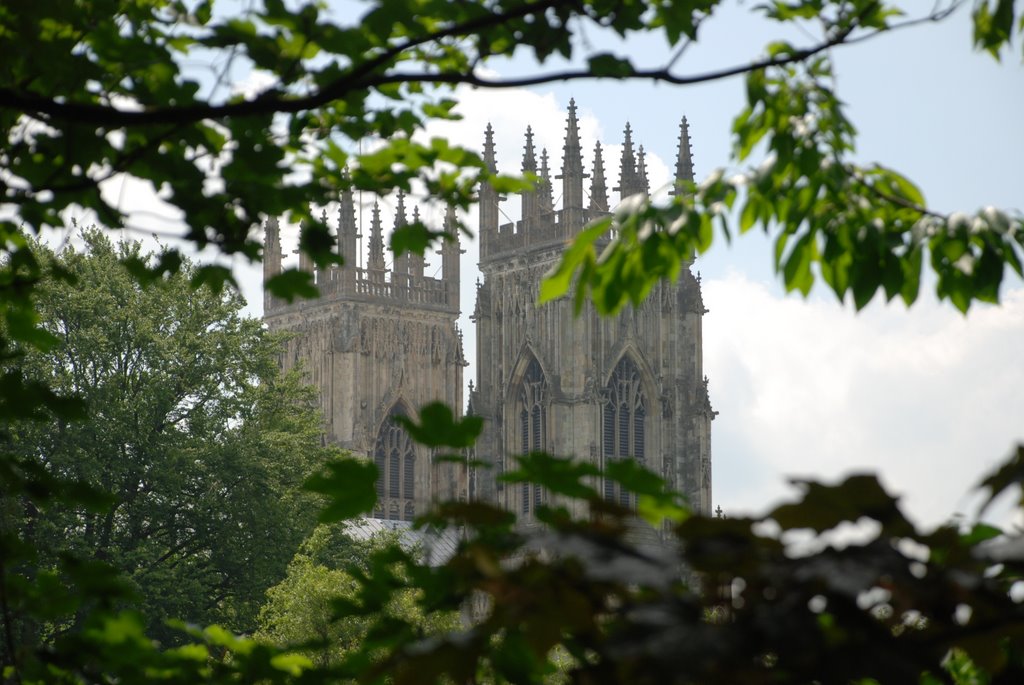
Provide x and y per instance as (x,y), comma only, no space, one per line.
(144,89)
(860,229)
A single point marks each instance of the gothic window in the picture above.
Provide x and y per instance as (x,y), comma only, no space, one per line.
(623,424)
(531,416)
(395,457)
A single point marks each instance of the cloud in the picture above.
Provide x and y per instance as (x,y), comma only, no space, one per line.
(928,398)
(510,111)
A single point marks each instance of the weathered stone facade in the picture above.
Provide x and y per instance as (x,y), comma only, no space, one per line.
(380,342)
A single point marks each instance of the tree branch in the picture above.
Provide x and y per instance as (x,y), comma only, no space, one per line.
(362,77)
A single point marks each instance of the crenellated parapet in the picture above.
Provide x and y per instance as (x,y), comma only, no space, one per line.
(405,282)
(542,225)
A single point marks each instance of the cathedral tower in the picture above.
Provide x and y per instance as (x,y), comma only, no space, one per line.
(378,343)
(598,388)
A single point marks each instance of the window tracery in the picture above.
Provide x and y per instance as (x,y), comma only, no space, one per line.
(394,454)
(623,426)
(531,418)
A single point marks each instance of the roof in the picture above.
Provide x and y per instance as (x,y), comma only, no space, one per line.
(437,546)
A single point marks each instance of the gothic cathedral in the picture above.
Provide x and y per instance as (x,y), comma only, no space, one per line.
(382,342)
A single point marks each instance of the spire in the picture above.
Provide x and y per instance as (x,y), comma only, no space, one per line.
(544,201)
(529,197)
(271,257)
(598,189)
(489,149)
(400,219)
(572,163)
(488,199)
(641,171)
(451,248)
(684,160)
(628,182)
(401,264)
(415,258)
(529,160)
(376,263)
(272,248)
(347,231)
(305,262)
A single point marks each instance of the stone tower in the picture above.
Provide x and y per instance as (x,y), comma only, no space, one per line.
(381,342)
(378,342)
(597,388)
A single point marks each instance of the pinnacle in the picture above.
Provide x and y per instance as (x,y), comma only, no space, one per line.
(641,171)
(376,260)
(598,188)
(684,159)
(400,219)
(629,183)
(544,187)
(572,159)
(529,160)
(489,149)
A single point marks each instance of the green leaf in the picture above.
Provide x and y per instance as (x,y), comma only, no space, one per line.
(413,238)
(438,427)
(292,283)
(349,485)
(1008,474)
(608,65)
(824,507)
(559,475)
(214,277)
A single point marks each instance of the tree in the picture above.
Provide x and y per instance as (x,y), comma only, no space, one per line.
(307,607)
(199,446)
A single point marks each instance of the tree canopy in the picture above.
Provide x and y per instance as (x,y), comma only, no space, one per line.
(305,608)
(114,89)
(196,444)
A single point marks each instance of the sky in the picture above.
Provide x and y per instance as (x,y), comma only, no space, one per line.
(926,397)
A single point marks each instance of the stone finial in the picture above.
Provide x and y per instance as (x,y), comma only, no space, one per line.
(489,200)
(400,218)
(272,258)
(544,198)
(529,159)
(529,197)
(572,155)
(489,158)
(376,257)
(572,163)
(598,187)
(628,181)
(272,241)
(416,262)
(305,261)
(684,158)
(451,249)
(348,232)
(451,224)
(641,171)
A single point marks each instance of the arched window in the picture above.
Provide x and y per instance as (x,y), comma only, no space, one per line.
(623,425)
(395,457)
(531,416)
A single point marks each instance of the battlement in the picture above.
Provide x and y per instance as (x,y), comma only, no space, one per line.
(542,225)
(404,283)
